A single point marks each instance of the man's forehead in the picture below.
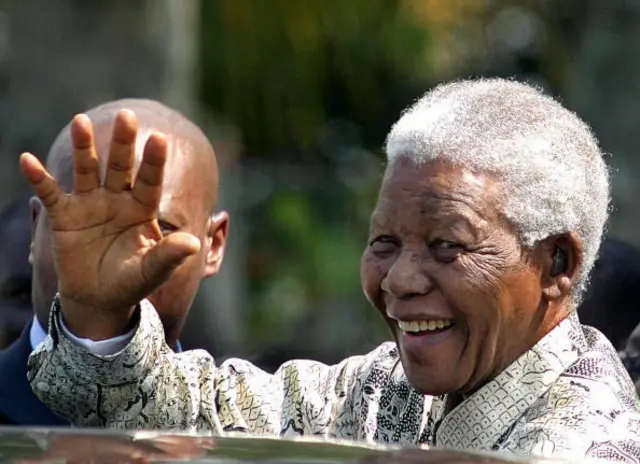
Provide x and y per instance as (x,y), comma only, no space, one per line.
(437,176)
(103,132)
(190,158)
(179,160)
(439,187)
(102,136)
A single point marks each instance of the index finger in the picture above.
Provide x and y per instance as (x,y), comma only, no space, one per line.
(43,183)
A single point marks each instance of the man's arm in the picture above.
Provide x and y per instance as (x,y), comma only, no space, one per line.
(593,438)
(146,385)
(578,419)
(110,253)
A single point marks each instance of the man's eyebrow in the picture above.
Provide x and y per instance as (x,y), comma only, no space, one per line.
(172,215)
(379,219)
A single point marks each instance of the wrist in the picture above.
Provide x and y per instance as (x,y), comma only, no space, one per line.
(95,323)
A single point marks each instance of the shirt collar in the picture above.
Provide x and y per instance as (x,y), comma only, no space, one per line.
(481,420)
(37,335)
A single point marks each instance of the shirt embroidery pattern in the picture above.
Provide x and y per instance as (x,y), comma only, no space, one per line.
(568,397)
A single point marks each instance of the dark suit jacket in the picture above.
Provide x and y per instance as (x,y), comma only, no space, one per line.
(18,404)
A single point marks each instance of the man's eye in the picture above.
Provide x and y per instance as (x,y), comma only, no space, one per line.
(445,245)
(384,245)
(166,228)
(444,250)
(386,239)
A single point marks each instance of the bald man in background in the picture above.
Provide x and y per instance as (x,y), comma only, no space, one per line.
(189,198)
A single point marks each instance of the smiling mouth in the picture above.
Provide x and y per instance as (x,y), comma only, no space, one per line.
(426,327)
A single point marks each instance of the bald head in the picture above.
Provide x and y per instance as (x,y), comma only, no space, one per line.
(188,147)
(189,195)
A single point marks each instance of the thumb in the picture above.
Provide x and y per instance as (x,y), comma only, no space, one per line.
(160,261)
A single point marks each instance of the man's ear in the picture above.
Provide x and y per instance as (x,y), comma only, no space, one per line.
(35,206)
(216,242)
(562,257)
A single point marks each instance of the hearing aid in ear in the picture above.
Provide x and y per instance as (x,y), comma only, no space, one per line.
(559,262)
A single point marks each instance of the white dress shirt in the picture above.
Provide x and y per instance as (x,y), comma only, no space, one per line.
(99,348)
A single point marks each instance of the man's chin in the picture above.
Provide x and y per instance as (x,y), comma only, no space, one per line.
(430,388)
(429,382)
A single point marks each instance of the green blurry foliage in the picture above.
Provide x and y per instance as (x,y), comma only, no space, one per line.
(313,86)
(280,69)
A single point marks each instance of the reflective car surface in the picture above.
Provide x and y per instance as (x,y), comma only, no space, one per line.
(33,445)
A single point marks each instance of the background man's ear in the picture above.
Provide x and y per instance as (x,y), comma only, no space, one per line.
(216,242)
(36,208)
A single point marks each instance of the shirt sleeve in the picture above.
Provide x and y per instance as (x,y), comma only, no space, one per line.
(147,385)
(107,347)
(590,423)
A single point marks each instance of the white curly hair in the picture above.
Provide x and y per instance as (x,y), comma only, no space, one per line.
(553,173)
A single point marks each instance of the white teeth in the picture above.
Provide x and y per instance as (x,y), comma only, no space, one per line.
(423,326)
(413,326)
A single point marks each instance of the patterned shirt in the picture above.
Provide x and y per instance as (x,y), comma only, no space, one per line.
(569,396)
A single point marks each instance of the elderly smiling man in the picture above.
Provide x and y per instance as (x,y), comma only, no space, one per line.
(488,221)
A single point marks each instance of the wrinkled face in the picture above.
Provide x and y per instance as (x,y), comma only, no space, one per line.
(449,276)
(183,207)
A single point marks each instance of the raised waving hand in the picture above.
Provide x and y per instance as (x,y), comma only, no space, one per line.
(108,250)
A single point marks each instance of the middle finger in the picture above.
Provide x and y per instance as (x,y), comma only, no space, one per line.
(119,175)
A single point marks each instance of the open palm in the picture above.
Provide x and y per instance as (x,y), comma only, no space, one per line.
(108,250)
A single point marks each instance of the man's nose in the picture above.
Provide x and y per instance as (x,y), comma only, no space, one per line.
(407,276)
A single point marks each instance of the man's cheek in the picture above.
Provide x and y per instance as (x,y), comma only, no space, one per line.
(171,290)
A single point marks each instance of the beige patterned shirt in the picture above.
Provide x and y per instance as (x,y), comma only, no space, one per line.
(569,396)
